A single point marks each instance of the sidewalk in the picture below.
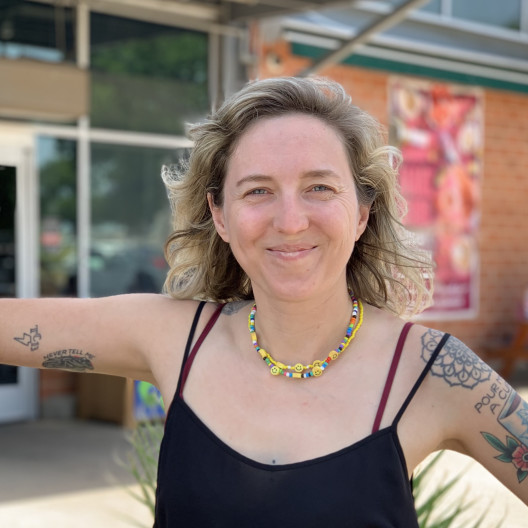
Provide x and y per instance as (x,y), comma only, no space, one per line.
(65,474)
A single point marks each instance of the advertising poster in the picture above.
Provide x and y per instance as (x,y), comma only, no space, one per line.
(439,129)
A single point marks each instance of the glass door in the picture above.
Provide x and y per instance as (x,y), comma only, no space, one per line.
(18,386)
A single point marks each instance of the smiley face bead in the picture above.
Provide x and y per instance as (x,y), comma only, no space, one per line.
(275,370)
(299,367)
(317,371)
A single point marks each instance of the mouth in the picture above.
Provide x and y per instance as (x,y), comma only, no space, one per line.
(291,252)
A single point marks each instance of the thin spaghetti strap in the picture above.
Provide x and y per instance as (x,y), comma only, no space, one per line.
(186,367)
(390,377)
(189,341)
(419,381)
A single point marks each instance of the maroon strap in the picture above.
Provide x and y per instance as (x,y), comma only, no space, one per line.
(390,377)
(199,341)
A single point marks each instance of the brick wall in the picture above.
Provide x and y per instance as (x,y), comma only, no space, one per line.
(504,226)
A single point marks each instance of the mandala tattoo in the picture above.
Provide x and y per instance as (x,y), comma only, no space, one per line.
(456,363)
(234,307)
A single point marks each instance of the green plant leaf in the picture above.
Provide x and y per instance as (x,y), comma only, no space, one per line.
(429,506)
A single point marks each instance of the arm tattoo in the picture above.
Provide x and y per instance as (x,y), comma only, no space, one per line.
(71,359)
(455,363)
(514,418)
(459,366)
(234,307)
(31,340)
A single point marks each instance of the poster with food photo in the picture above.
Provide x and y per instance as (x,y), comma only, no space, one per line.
(439,129)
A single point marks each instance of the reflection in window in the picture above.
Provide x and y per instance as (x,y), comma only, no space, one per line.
(130,219)
(36,31)
(433,6)
(7,231)
(58,205)
(146,77)
(503,13)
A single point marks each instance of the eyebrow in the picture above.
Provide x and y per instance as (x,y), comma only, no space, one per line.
(258,178)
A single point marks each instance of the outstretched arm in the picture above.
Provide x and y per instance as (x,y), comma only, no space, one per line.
(489,419)
(112,335)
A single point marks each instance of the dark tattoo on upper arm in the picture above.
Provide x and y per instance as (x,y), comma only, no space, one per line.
(460,366)
(234,307)
(31,340)
(71,359)
(455,363)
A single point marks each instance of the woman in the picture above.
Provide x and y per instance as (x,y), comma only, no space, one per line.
(297,395)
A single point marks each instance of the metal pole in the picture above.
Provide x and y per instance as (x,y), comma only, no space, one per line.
(363,36)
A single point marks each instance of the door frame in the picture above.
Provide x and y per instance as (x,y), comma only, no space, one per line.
(20,401)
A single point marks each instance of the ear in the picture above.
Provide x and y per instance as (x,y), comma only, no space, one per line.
(217,213)
(363,216)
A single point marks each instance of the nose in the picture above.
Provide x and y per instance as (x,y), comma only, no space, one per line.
(290,216)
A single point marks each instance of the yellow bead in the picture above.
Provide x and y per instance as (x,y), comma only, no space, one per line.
(333,355)
(263,353)
(317,363)
(275,370)
(296,375)
(281,365)
(299,367)
(317,371)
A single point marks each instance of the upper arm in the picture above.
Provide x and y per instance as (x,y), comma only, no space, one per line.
(113,335)
(487,418)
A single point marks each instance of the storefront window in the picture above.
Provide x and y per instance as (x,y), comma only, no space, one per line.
(36,31)
(130,219)
(146,77)
(58,209)
(7,231)
(506,13)
(433,6)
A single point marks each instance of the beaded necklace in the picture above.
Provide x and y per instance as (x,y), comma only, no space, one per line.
(316,368)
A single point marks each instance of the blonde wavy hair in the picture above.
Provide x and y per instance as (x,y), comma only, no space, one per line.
(386,268)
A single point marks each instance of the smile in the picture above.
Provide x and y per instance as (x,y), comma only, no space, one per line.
(291,252)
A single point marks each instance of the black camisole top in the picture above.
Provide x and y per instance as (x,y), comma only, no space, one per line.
(204,483)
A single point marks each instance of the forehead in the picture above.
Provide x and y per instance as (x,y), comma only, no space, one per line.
(286,139)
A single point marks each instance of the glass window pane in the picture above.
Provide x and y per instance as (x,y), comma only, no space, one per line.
(130,219)
(7,231)
(146,77)
(433,6)
(504,13)
(8,374)
(36,31)
(58,210)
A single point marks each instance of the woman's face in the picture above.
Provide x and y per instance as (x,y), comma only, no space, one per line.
(290,210)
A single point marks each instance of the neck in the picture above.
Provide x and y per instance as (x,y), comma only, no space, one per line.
(303,331)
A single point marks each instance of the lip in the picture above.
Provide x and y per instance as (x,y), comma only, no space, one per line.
(291,252)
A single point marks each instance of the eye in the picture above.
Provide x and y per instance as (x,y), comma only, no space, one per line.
(320,188)
(258,191)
